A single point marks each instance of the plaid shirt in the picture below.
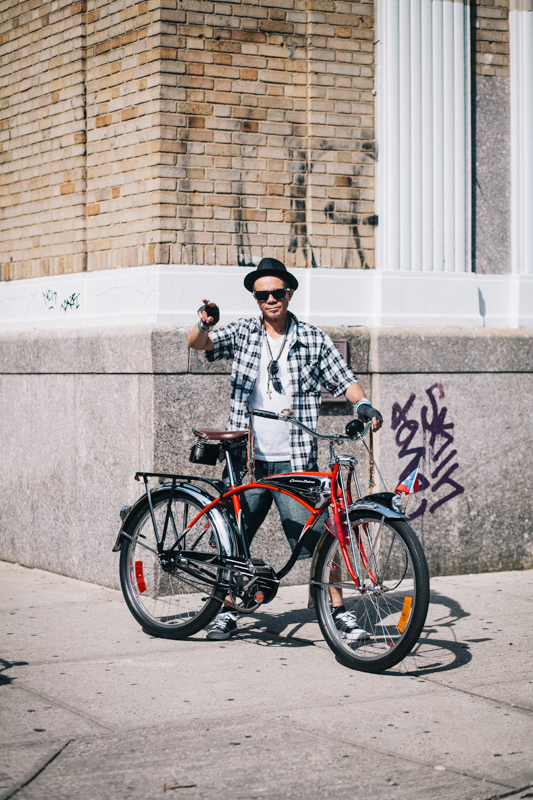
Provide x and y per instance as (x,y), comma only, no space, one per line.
(312,360)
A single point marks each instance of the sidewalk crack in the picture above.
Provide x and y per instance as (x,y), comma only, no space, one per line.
(63,705)
(35,774)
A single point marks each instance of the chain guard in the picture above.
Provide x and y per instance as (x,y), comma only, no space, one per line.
(246,600)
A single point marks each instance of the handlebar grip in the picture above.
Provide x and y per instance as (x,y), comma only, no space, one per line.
(258,412)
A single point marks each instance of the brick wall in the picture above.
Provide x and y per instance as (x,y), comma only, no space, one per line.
(190,131)
(42,139)
(125,183)
(210,133)
(490,35)
(273,105)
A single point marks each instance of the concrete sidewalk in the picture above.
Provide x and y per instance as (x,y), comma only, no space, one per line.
(92,708)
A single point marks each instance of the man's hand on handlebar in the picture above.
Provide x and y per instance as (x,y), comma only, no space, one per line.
(367,413)
(355,395)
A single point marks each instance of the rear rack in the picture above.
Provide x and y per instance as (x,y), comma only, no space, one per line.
(216,484)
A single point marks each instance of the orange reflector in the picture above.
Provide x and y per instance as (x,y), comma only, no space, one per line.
(406,610)
(139,576)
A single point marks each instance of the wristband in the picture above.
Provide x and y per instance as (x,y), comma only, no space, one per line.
(204,330)
(362,402)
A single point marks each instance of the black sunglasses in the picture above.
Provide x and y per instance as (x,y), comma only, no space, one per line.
(277,294)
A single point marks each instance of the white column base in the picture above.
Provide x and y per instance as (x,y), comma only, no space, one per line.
(164,293)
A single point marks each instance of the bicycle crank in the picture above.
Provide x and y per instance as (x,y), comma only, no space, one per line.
(250,592)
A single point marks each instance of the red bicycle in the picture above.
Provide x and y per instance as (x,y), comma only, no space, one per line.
(183,552)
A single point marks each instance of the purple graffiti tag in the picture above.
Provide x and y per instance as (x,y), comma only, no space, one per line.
(440,430)
(434,454)
(406,430)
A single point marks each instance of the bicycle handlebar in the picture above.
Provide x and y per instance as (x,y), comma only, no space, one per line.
(259,412)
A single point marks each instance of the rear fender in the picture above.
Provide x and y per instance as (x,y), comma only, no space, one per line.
(218,518)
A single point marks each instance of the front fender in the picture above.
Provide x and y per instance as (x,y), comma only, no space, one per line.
(223,527)
(381,503)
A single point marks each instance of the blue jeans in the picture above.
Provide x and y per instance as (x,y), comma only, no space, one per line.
(257,503)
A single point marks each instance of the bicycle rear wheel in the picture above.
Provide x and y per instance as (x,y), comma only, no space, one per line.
(392,609)
(170,601)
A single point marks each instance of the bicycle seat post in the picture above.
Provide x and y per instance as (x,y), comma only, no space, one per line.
(238,516)
(231,471)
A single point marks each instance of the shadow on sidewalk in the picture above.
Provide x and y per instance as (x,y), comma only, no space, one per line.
(438,649)
(4,666)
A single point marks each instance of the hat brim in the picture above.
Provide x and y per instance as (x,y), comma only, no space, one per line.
(285,276)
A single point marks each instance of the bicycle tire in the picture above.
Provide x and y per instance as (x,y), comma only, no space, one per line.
(393,613)
(167,601)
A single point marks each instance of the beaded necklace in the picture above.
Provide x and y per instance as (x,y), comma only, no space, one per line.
(273,366)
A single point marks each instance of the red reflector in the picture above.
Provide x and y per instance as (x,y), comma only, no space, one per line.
(137,478)
(259,597)
(139,576)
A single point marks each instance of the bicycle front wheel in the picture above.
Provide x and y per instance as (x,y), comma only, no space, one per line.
(168,600)
(387,611)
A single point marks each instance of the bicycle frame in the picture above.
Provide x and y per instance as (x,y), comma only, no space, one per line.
(340,498)
(236,558)
(368,576)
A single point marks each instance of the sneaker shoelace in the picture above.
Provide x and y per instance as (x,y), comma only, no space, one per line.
(223,619)
(349,619)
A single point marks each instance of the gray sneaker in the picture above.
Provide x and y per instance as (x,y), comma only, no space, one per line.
(347,624)
(224,627)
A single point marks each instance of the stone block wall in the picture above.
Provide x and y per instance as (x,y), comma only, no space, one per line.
(83,410)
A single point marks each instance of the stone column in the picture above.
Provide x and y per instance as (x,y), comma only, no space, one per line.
(423,125)
(521,32)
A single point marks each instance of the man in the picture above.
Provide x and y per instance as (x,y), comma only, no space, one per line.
(278,362)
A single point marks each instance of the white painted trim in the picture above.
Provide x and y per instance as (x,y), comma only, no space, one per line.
(172,294)
(521,49)
(423,135)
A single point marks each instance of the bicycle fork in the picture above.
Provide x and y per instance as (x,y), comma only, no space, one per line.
(355,543)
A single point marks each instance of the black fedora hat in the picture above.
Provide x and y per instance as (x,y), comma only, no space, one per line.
(270,266)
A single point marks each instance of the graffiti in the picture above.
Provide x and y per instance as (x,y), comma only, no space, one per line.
(71,302)
(435,454)
(50,299)
(353,221)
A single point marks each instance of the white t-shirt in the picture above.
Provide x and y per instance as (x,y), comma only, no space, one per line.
(272,441)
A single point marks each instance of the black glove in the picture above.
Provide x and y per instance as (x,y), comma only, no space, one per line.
(366,413)
(212,311)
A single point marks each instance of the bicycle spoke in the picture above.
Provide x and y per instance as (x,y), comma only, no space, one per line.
(166,596)
(378,620)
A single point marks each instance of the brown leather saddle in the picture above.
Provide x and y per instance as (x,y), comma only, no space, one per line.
(219,436)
